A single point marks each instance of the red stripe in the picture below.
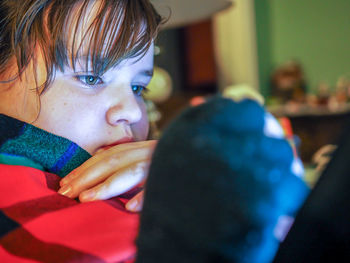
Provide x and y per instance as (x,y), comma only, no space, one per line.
(102,229)
(23,244)
(27,210)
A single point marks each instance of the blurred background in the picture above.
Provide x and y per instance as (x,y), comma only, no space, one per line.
(296,54)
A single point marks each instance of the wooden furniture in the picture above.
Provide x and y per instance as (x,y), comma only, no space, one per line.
(315,126)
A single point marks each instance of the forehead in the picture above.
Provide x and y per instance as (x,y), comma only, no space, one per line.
(133,67)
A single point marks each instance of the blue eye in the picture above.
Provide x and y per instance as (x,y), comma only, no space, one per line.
(90,80)
(138,89)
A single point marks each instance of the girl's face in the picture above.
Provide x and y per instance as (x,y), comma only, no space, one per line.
(98,111)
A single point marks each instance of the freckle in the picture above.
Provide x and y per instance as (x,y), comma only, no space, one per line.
(65,104)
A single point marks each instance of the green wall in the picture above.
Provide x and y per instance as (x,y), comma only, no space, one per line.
(314,32)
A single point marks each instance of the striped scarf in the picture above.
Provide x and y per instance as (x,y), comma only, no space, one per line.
(23,143)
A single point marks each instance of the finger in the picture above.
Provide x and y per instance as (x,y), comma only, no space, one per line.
(101,154)
(73,174)
(102,170)
(136,203)
(118,149)
(117,184)
(80,172)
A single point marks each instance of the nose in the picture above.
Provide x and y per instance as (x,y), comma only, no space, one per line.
(126,109)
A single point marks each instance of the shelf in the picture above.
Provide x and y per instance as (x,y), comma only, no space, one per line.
(307,110)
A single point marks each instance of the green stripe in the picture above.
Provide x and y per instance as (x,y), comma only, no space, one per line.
(38,148)
(19,160)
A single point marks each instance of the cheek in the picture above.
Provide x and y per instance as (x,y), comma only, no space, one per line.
(62,113)
(55,116)
(140,129)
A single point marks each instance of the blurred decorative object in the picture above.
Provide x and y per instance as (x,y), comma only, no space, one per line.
(323,94)
(339,98)
(197,100)
(322,157)
(326,100)
(152,112)
(341,90)
(243,91)
(288,83)
(183,12)
(154,116)
(159,90)
(160,87)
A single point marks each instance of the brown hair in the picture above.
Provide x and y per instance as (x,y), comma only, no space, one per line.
(120,29)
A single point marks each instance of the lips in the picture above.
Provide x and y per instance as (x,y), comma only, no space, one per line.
(121,141)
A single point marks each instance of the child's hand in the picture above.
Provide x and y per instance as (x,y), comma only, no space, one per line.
(136,203)
(110,173)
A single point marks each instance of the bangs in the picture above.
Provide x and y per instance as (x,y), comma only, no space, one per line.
(118,30)
(102,32)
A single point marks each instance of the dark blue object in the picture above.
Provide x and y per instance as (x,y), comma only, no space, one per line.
(217,187)
(321,232)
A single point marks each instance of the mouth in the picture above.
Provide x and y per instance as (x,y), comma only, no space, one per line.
(121,141)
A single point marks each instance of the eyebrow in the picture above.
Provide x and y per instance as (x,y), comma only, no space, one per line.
(147,73)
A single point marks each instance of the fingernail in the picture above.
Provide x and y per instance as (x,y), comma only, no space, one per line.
(69,177)
(131,205)
(65,190)
(87,196)
(63,182)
